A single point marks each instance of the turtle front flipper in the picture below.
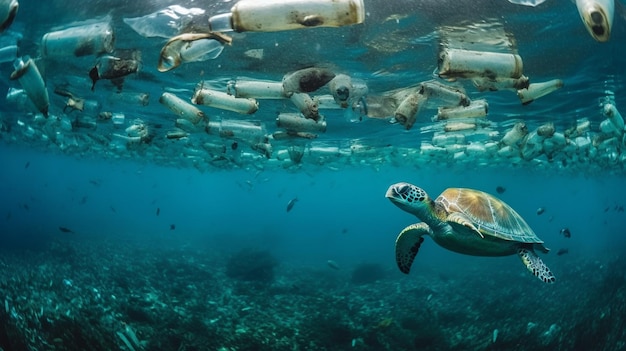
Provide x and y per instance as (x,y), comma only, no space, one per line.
(460,219)
(408,243)
(536,266)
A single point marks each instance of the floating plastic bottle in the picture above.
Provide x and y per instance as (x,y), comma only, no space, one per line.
(191,47)
(28,75)
(8,10)
(476,109)
(307,106)
(443,94)
(18,98)
(458,63)
(279,15)
(532,145)
(89,39)
(224,101)
(341,87)
(182,108)
(597,15)
(500,83)
(164,23)
(297,123)
(515,135)
(8,53)
(251,132)
(537,90)
(407,111)
(611,112)
(306,80)
(256,89)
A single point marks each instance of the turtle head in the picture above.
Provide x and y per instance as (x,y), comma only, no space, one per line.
(409,198)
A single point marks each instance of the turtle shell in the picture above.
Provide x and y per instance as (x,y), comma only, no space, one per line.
(489,214)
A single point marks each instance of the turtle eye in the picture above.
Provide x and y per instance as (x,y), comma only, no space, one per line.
(403,190)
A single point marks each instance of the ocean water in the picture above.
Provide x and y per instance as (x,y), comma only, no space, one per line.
(218,241)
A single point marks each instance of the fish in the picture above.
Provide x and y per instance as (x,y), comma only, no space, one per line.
(83,200)
(332,264)
(112,209)
(158,211)
(27,165)
(540,211)
(234,145)
(500,189)
(562,252)
(172,226)
(66,230)
(566,233)
(291,203)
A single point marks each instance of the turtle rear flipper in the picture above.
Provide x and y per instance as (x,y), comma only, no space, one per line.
(408,244)
(536,266)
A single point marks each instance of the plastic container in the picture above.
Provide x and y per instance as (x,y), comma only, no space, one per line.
(182,108)
(279,15)
(257,89)
(407,111)
(90,39)
(469,64)
(307,106)
(295,122)
(597,15)
(537,90)
(224,101)
(8,10)
(28,75)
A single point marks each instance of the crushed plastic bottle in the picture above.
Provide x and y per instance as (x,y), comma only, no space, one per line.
(165,23)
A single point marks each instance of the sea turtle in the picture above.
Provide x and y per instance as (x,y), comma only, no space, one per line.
(466,221)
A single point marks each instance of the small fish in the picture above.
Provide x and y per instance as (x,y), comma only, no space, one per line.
(94,182)
(234,145)
(500,189)
(562,252)
(112,209)
(606,209)
(83,200)
(66,230)
(332,264)
(291,203)
(566,233)
(172,226)
(344,231)
(158,211)
(540,211)
(27,164)
(620,208)
(25,206)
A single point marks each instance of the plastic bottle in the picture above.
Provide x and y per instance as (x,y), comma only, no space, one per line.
(279,15)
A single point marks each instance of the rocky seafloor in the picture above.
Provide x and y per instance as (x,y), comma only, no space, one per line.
(112,295)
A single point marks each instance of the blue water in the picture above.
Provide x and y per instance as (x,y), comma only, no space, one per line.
(152,232)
